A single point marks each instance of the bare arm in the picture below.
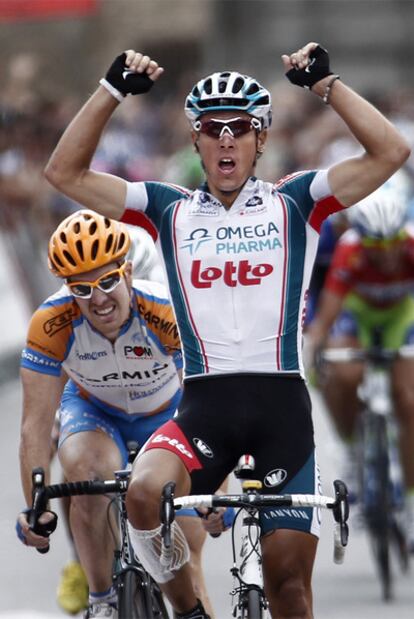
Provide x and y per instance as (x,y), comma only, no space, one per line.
(41,398)
(329,306)
(69,166)
(385,148)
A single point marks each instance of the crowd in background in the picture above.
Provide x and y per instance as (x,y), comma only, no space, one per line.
(147,139)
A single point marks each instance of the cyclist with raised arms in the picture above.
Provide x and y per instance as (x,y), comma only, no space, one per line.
(368,290)
(238,254)
(114,342)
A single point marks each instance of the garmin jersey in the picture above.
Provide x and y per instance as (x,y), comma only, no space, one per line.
(238,277)
(352,271)
(134,376)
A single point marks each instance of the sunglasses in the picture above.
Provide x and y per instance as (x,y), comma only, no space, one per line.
(374,243)
(236,127)
(107,283)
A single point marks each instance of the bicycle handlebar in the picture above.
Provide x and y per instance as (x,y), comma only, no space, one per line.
(339,506)
(253,500)
(42,493)
(90,487)
(374,354)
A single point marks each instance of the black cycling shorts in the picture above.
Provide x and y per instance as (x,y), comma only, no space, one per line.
(268,416)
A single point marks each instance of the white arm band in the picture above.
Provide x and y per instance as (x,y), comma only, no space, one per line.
(114,92)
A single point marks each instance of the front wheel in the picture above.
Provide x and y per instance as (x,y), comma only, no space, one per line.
(252,605)
(131,596)
(159,610)
(377,498)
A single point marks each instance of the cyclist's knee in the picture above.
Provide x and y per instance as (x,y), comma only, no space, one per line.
(89,455)
(151,472)
(85,468)
(288,558)
(291,598)
(143,501)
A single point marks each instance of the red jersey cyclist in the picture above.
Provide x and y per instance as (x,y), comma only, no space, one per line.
(238,254)
(104,350)
(369,287)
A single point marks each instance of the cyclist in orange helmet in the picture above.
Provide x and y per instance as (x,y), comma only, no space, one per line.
(105,351)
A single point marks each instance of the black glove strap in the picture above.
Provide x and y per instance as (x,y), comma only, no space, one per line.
(316,70)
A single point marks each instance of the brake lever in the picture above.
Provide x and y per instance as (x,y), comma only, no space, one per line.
(39,505)
(167,512)
(341,509)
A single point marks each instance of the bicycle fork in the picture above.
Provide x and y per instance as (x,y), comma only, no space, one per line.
(250,557)
(249,574)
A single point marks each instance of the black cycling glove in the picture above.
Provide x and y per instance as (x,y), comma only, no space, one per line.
(120,79)
(316,70)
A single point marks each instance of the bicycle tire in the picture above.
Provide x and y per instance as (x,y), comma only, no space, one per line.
(399,539)
(378,509)
(251,605)
(131,596)
(159,610)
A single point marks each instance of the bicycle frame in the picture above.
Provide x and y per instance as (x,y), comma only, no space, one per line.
(251,599)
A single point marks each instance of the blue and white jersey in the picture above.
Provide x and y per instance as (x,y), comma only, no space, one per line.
(135,376)
(238,277)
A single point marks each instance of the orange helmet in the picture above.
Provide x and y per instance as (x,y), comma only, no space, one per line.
(85,241)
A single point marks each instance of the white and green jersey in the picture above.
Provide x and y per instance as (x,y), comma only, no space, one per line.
(238,277)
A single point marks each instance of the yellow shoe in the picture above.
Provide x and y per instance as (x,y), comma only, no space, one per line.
(73,591)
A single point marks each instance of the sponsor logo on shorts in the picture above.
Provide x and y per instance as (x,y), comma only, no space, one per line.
(173,442)
(275,478)
(274,514)
(203,448)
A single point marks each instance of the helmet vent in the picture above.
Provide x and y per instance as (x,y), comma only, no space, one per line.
(69,258)
(222,86)
(208,87)
(238,85)
(63,237)
(252,89)
(92,228)
(109,242)
(94,250)
(57,259)
(196,92)
(122,241)
(79,247)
